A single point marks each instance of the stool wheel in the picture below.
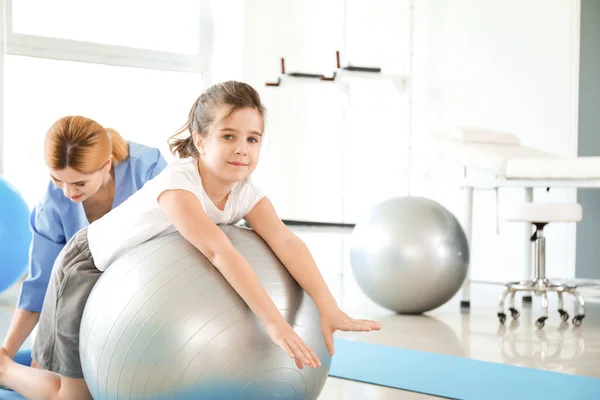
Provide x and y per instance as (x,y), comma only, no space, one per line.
(578,319)
(514,313)
(502,317)
(564,315)
(540,322)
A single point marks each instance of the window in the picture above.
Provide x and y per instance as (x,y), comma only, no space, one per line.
(143,105)
(174,26)
(134,66)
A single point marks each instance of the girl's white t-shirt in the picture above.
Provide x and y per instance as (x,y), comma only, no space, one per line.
(140,218)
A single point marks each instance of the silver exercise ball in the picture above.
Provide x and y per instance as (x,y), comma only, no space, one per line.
(409,255)
(162,322)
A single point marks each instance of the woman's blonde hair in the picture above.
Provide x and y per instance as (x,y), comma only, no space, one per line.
(82,144)
(202,116)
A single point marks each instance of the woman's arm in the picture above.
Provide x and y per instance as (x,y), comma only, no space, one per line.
(47,242)
(157,165)
(186,213)
(21,326)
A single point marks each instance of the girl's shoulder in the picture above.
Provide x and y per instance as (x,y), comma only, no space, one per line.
(247,190)
(179,171)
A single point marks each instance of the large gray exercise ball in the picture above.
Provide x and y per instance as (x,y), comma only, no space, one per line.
(162,322)
(409,254)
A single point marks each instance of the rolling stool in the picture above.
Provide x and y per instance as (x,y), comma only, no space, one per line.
(539,215)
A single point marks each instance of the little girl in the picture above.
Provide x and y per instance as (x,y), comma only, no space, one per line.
(207,186)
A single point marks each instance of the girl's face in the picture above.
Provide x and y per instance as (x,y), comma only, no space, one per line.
(78,186)
(232,148)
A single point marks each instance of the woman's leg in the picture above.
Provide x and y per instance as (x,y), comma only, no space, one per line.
(39,384)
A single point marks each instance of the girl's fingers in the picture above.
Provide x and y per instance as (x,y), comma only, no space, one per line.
(304,348)
(365,325)
(328,335)
(355,325)
(298,351)
(351,326)
(314,356)
(370,323)
(358,328)
(287,349)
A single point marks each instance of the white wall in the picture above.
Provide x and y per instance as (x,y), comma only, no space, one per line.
(513,66)
(144,93)
(330,156)
(226,43)
(508,65)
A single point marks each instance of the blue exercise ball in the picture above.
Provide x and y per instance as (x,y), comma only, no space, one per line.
(15,235)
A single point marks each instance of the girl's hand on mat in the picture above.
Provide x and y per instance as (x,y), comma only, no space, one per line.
(337,320)
(284,336)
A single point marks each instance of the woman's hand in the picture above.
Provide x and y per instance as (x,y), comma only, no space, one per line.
(335,319)
(284,336)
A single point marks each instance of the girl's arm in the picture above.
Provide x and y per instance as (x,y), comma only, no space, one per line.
(292,252)
(296,257)
(186,213)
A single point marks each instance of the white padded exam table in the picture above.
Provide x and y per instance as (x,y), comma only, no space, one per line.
(507,163)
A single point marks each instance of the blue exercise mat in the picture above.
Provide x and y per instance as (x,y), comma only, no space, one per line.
(10,395)
(438,375)
(22,357)
(454,377)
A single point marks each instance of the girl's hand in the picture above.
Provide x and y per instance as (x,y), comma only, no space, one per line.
(284,336)
(336,319)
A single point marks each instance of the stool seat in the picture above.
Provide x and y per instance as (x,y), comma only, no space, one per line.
(543,212)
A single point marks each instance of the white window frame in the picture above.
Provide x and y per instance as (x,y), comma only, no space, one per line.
(88,52)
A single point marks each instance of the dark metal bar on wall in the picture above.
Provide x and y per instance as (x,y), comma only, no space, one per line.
(290,222)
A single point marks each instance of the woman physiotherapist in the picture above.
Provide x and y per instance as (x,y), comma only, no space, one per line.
(92,170)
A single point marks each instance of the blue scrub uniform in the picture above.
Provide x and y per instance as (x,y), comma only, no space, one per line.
(56,219)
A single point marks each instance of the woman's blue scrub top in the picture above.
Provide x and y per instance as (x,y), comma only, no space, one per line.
(56,219)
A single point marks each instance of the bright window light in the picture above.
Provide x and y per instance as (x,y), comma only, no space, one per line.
(144,105)
(172,26)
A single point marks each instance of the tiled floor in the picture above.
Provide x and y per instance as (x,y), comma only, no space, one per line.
(476,334)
